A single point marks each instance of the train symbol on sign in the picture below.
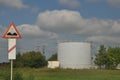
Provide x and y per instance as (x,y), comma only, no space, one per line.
(12,32)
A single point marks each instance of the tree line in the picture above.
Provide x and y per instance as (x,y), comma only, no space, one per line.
(30,59)
(107,58)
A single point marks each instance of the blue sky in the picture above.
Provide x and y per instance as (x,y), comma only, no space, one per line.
(47,22)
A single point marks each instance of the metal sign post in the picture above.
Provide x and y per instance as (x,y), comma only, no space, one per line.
(11,77)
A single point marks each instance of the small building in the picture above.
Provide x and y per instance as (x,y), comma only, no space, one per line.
(118,67)
(53,64)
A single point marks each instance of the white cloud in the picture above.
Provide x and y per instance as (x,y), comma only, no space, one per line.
(33,31)
(104,39)
(71,22)
(60,21)
(70,3)
(18,4)
(96,27)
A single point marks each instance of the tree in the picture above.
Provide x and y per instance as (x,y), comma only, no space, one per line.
(53,57)
(100,57)
(113,56)
(34,59)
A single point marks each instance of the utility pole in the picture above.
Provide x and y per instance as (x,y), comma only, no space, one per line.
(43,49)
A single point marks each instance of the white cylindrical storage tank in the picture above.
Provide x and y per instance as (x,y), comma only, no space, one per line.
(74,55)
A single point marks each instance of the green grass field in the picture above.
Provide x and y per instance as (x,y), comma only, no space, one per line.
(64,74)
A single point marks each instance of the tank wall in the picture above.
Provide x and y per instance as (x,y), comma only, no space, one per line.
(76,55)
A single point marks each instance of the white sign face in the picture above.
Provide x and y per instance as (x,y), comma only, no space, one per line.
(11,48)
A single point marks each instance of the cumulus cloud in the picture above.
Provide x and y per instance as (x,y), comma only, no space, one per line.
(32,31)
(104,39)
(70,3)
(60,21)
(71,22)
(18,4)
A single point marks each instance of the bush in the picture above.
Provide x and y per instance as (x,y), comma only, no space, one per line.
(34,59)
(30,59)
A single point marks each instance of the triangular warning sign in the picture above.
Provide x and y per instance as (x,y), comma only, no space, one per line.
(12,32)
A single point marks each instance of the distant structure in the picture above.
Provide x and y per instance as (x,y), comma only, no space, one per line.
(37,48)
(53,64)
(74,55)
(118,67)
(43,49)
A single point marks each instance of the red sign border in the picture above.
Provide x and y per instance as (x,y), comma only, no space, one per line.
(5,33)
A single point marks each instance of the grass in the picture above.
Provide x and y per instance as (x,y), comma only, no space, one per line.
(64,74)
